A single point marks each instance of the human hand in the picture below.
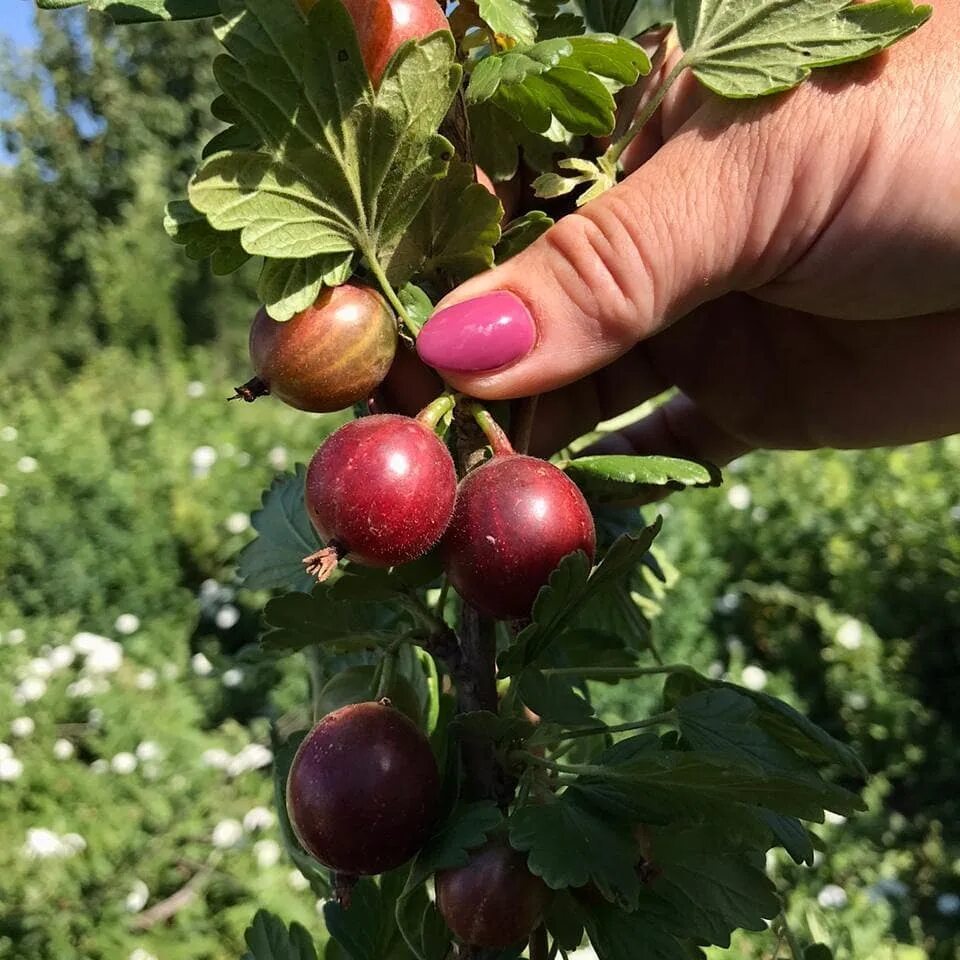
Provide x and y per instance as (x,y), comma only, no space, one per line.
(792,265)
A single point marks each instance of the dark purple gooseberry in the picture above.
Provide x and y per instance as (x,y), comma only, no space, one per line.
(363,789)
(380,490)
(515,519)
(493,900)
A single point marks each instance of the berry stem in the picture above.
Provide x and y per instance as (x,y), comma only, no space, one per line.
(661,718)
(492,430)
(388,665)
(436,410)
(390,293)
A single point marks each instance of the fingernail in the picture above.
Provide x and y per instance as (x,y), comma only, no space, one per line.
(480,334)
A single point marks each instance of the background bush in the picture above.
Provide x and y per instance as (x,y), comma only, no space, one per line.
(133,716)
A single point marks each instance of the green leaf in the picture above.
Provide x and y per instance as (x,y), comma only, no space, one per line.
(587,649)
(142,11)
(288,286)
(611,478)
(285,537)
(616,935)
(317,875)
(751,48)
(510,18)
(570,586)
(190,228)
(467,827)
(299,620)
(553,698)
(713,891)
(342,168)
(416,303)
(569,80)
(564,920)
(358,929)
(628,18)
(452,237)
(790,834)
(268,938)
(357,583)
(520,233)
(569,846)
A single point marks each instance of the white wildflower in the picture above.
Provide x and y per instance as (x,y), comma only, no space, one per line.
(850,634)
(297,880)
(146,679)
(195,388)
(148,750)
(227,617)
(99,766)
(86,643)
(141,954)
(5,751)
(257,818)
(80,688)
(127,623)
(277,458)
(137,898)
(227,833)
(237,523)
(61,657)
(753,677)
(62,749)
(8,434)
(10,769)
(29,690)
(216,758)
(106,658)
(27,464)
(202,459)
(16,636)
(832,897)
(39,667)
(202,667)
(232,678)
(22,727)
(739,496)
(73,842)
(266,853)
(141,417)
(95,717)
(42,843)
(123,763)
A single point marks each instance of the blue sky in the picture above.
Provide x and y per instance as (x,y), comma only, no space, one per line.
(16,20)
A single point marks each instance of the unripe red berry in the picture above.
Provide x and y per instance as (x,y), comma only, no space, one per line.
(363,790)
(515,519)
(381,490)
(327,357)
(493,900)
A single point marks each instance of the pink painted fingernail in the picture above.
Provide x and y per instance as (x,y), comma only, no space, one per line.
(480,334)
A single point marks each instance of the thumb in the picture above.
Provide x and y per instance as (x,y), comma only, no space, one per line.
(669,237)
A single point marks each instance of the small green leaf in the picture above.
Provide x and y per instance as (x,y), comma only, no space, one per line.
(268,938)
(416,303)
(520,233)
(358,928)
(452,237)
(713,892)
(628,18)
(751,48)
(564,921)
(554,699)
(790,834)
(285,537)
(617,935)
(611,478)
(467,827)
(549,186)
(299,620)
(288,286)
(189,227)
(570,846)
(509,18)
(569,588)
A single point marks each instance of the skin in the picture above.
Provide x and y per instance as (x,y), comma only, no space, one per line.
(790,265)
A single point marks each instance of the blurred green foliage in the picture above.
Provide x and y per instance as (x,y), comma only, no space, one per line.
(831,579)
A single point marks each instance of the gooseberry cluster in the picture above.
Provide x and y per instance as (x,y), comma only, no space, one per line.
(363,792)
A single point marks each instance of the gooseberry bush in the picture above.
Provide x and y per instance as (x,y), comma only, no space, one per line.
(452,596)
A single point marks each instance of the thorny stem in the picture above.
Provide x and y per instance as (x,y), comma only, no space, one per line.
(615,150)
(387,666)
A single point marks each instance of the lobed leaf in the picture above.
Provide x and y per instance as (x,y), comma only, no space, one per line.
(751,48)
(269,938)
(608,479)
(190,228)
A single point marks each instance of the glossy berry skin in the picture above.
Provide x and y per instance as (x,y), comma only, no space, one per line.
(363,790)
(382,489)
(331,355)
(493,900)
(515,519)
(382,25)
